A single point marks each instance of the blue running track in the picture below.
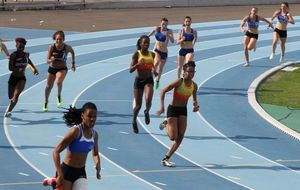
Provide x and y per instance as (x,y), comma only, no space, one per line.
(227,145)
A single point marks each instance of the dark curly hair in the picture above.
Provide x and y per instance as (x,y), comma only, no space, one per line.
(73,115)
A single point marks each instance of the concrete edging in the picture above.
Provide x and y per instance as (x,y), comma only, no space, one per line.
(255,105)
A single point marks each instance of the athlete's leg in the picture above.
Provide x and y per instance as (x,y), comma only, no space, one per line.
(180,64)
(148,89)
(60,76)
(246,44)
(49,86)
(18,90)
(180,129)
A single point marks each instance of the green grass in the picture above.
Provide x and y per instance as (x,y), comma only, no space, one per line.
(281,89)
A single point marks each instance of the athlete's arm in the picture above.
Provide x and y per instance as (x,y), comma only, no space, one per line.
(243,23)
(195,101)
(96,157)
(163,93)
(134,62)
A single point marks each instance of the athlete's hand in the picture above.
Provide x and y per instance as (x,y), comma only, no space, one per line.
(196,108)
(73,67)
(59,181)
(160,111)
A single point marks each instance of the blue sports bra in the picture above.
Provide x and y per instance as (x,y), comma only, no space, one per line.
(160,36)
(253,25)
(282,18)
(82,144)
(188,36)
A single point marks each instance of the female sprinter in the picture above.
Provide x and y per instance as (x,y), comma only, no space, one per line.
(251,34)
(177,110)
(162,35)
(57,60)
(284,17)
(143,63)
(187,38)
(79,141)
(18,62)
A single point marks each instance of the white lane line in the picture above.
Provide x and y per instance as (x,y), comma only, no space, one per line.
(123,132)
(236,157)
(110,148)
(24,174)
(44,154)
(59,136)
(159,183)
(15,126)
(234,178)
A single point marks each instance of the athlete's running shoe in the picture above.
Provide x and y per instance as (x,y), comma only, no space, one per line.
(59,102)
(7,114)
(163,124)
(166,162)
(45,108)
(271,56)
(147,117)
(156,85)
(246,64)
(281,59)
(135,128)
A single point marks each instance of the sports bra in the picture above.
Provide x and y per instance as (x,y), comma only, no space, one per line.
(160,36)
(282,18)
(251,24)
(82,144)
(148,61)
(183,92)
(59,55)
(21,60)
(188,36)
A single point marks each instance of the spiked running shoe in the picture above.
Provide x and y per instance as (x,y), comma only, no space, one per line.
(163,124)
(45,108)
(167,163)
(59,102)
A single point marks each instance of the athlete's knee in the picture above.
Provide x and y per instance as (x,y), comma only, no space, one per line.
(137,107)
(59,83)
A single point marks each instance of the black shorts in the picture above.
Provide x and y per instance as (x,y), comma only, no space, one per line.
(281,33)
(251,35)
(53,71)
(71,173)
(13,81)
(176,111)
(141,83)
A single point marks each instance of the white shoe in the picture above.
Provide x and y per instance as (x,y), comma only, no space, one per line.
(7,114)
(167,163)
(271,56)
(246,64)
(163,124)
(281,59)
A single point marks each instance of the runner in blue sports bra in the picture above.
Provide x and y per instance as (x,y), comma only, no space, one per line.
(251,34)
(284,17)
(187,38)
(57,60)
(162,35)
(79,141)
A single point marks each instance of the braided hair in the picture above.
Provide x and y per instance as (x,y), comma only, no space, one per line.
(73,115)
